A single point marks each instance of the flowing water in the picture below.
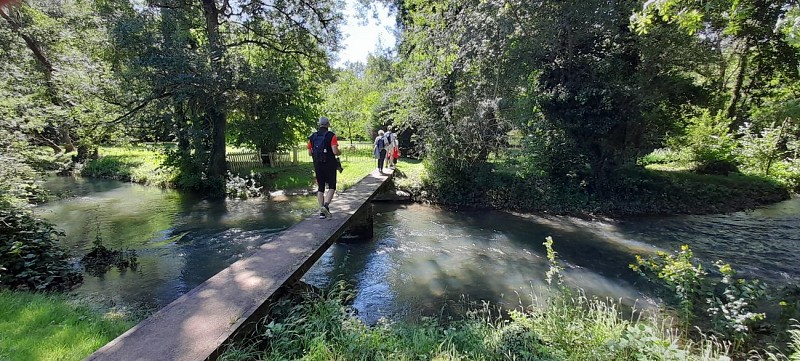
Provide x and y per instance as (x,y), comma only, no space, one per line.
(180,240)
(423,260)
(427,261)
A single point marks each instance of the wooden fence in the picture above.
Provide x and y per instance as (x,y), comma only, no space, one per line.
(242,161)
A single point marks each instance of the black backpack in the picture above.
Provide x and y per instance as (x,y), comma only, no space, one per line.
(321,146)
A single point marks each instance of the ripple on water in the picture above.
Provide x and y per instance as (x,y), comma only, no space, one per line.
(428,257)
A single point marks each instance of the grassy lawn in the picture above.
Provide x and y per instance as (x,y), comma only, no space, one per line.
(301,176)
(409,174)
(131,164)
(53,327)
(143,164)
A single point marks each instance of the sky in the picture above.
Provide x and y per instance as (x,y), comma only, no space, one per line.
(360,40)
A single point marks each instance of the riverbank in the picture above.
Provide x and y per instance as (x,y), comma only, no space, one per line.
(145,165)
(566,325)
(637,192)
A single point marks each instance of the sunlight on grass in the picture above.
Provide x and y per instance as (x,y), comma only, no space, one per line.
(131,164)
(52,327)
(410,174)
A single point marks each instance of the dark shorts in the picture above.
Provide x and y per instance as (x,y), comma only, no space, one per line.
(326,174)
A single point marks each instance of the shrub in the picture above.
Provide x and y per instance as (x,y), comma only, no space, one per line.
(728,302)
(710,145)
(240,187)
(30,258)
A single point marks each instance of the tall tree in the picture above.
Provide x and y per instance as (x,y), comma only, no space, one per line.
(62,72)
(747,31)
(218,41)
(571,68)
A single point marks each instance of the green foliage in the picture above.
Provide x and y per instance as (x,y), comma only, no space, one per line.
(30,257)
(203,76)
(635,191)
(710,144)
(660,156)
(100,259)
(276,105)
(678,273)
(795,344)
(789,25)
(555,267)
(728,302)
(350,101)
(45,326)
(770,146)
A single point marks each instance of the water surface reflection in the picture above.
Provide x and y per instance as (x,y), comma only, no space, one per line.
(181,240)
(424,260)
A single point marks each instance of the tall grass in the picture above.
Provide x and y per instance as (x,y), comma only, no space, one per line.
(37,326)
(568,326)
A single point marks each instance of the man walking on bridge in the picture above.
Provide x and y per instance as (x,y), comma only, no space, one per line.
(323,147)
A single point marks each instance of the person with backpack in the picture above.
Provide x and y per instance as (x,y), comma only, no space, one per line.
(323,147)
(380,149)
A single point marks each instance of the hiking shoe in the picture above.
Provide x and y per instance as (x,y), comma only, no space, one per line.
(326,211)
(322,215)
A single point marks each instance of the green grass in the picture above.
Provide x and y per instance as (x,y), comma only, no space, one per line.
(131,164)
(142,164)
(301,176)
(52,327)
(410,175)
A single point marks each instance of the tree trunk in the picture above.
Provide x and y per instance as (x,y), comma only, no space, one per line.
(264,154)
(216,110)
(736,92)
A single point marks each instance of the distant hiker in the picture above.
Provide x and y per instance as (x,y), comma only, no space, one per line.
(391,146)
(380,149)
(323,147)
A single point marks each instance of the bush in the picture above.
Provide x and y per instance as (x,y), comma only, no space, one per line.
(709,143)
(30,258)
(728,302)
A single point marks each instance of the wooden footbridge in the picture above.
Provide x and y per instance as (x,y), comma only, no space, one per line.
(196,325)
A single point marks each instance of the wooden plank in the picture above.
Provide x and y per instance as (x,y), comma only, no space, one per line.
(195,325)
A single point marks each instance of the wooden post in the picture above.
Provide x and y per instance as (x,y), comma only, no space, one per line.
(294,155)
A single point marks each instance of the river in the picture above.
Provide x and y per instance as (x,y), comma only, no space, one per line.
(424,260)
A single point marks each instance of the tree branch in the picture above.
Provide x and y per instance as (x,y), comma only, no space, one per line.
(34,46)
(267,44)
(135,109)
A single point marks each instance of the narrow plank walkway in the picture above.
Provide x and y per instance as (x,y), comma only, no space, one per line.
(195,325)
